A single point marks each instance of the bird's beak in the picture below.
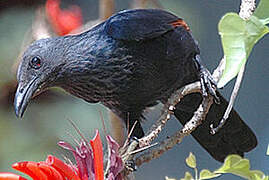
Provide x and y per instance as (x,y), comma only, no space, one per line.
(23,96)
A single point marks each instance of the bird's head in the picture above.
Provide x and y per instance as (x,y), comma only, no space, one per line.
(37,71)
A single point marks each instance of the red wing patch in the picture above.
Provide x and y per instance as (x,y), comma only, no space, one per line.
(180,22)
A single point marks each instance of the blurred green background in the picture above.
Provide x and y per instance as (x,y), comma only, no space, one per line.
(46,119)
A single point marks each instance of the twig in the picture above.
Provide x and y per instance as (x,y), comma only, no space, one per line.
(247,8)
(219,70)
(168,111)
(190,126)
(158,126)
(231,102)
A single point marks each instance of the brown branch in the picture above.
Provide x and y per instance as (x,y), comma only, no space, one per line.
(189,127)
(168,111)
(196,120)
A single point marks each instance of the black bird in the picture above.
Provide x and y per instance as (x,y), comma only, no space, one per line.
(130,62)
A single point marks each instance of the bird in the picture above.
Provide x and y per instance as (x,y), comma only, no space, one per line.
(133,60)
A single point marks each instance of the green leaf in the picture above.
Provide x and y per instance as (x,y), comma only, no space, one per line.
(239,166)
(191,161)
(188,176)
(262,11)
(236,165)
(257,175)
(238,38)
(206,174)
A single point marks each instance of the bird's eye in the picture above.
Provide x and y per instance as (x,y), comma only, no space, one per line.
(35,62)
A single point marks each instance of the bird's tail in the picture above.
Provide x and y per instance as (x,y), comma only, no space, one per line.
(235,137)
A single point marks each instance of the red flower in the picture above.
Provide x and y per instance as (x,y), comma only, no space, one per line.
(52,169)
(98,156)
(10,176)
(63,21)
(89,164)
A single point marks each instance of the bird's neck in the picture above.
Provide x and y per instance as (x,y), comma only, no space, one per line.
(88,66)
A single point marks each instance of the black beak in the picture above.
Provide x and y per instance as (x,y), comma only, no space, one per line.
(23,96)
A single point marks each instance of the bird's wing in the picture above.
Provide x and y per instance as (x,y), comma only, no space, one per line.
(142,24)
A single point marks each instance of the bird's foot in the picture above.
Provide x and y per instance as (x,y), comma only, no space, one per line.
(208,84)
(214,130)
(128,155)
(130,165)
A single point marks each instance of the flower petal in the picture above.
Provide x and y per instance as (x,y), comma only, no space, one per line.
(50,171)
(10,176)
(62,167)
(115,161)
(30,168)
(84,158)
(97,148)
(77,156)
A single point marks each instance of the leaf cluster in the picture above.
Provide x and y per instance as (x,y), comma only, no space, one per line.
(233,164)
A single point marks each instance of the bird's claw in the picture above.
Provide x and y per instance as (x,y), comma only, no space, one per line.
(127,157)
(208,84)
(130,165)
(214,130)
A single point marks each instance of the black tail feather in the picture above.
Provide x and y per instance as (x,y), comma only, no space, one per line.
(235,137)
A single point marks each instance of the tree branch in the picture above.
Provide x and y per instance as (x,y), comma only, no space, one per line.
(168,111)
(247,8)
(188,128)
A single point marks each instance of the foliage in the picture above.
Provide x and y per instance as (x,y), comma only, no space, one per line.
(239,166)
(204,174)
(238,38)
(233,164)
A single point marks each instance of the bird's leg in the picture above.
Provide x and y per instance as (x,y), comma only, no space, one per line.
(132,122)
(208,84)
(135,131)
(127,154)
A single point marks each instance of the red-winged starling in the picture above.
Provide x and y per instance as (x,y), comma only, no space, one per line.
(132,61)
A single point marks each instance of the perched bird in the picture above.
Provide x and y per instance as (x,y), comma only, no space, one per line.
(132,61)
